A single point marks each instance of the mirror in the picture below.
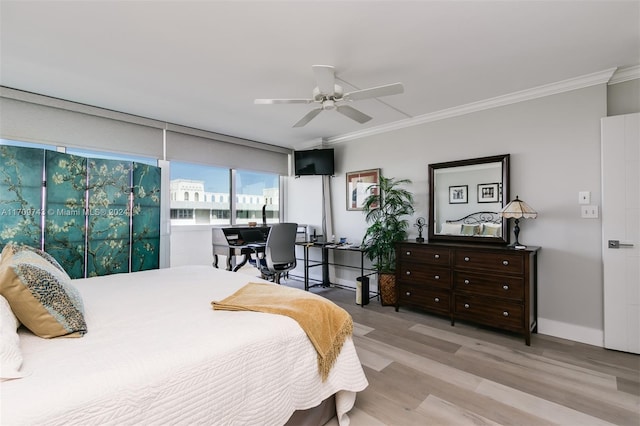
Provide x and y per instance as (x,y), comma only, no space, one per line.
(465,198)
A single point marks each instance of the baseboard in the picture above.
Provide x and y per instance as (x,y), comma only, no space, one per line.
(577,333)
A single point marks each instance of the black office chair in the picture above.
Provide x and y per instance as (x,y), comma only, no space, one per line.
(278,256)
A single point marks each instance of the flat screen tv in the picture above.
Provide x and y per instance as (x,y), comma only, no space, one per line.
(313,162)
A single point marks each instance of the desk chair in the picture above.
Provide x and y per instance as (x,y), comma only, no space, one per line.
(278,256)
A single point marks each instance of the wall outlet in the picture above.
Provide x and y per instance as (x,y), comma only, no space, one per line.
(584,197)
(589,212)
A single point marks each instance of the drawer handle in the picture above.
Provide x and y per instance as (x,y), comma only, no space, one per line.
(505,262)
(437,277)
(437,300)
(505,314)
(466,259)
(466,281)
(408,293)
(408,253)
(408,272)
(505,287)
(437,256)
(466,305)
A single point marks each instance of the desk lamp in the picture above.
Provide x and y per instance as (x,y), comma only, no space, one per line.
(518,209)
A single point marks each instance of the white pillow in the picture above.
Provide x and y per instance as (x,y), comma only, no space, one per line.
(491,229)
(451,228)
(10,355)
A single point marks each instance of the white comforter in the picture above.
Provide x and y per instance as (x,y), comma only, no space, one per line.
(157,353)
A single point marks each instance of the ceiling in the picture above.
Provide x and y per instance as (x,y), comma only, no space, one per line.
(202,63)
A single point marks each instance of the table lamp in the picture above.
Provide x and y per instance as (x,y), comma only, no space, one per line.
(518,209)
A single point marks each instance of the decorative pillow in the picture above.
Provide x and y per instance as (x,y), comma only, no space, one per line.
(470,229)
(450,228)
(41,295)
(11,249)
(491,229)
(10,355)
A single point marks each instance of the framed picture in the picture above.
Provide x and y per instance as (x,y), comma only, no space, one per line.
(459,194)
(488,192)
(359,187)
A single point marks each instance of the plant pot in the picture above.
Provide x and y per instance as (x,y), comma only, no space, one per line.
(388,293)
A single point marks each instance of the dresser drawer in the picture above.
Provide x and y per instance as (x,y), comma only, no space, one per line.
(425,274)
(492,312)
(431,299)
(509,263)
(425,254)
(490,285)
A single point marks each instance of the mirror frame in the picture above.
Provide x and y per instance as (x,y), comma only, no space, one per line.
(504,160)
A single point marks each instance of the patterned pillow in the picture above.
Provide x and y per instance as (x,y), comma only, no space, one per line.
(10,355)
(11,249)
(41,295)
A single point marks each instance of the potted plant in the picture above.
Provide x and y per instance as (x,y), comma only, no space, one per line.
(386,209)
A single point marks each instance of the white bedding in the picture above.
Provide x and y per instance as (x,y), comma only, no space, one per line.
(157,353)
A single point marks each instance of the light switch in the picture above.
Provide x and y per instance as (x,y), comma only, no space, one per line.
(584,197)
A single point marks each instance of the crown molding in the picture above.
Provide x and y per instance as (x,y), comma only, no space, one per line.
(625,74)
(588,80)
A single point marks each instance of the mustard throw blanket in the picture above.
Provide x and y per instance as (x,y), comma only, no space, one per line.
(326,324)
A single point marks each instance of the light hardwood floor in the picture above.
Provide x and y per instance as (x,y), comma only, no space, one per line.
(423,371)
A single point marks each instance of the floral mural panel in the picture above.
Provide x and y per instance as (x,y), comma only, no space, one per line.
(21,195)
(108,230)
(64,235)
(106,257)
(145,217)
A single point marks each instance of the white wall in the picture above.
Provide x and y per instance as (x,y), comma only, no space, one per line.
(191,245)
(554,144)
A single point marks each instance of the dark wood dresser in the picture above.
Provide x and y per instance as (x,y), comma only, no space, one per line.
(491,285)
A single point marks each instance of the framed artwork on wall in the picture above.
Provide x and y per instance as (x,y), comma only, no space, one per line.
(488,193)
(359,187)
(459,194)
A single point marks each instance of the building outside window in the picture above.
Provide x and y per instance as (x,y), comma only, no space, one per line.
(192,185)
(258,190)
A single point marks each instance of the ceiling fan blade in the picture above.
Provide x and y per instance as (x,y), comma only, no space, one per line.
(308,117)
(325,78)
(282,101)
(374,92)
(353,113)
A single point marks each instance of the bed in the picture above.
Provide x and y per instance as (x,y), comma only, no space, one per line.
(155,352)
(478,224)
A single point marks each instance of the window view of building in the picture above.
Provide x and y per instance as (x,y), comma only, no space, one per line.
(257,191)
(201,195)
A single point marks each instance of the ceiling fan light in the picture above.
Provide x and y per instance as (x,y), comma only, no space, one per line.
(329,104)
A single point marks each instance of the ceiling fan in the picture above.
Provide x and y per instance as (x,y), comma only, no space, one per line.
(331,96)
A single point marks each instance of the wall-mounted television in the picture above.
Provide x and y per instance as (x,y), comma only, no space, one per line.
(313,162)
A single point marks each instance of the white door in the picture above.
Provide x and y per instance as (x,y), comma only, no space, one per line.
(621,231)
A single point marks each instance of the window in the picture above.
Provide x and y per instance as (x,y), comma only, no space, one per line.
(208,197)
(181,214)
(198,184)
(255,187)
(27,144)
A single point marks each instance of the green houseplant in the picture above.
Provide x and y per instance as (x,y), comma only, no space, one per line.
(386,209)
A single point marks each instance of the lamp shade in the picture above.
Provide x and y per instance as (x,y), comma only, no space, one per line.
(518,209)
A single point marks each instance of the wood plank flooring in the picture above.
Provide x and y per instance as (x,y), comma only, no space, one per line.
(423,371)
